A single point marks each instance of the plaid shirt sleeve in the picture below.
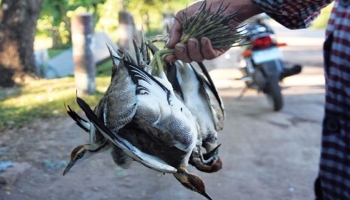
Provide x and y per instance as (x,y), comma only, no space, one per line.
(293,14)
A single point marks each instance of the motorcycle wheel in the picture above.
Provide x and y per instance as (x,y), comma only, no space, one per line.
(273,92)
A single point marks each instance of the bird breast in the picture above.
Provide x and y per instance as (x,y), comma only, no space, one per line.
(195,99)
(166,112)
(120,101)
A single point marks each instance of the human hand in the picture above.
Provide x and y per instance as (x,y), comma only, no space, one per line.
(201,50)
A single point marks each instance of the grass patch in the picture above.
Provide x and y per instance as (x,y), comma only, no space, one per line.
(43,99)
(104,69)
(55,52)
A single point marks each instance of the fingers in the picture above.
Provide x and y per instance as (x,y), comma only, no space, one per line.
(171,58)
(175,31)
(207,50)
(195,51)
(174,34)
(189,53)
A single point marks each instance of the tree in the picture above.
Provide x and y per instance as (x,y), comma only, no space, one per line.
(17,30)
(55,15)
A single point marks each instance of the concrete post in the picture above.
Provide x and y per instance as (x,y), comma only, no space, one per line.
(126,31)
(83,45)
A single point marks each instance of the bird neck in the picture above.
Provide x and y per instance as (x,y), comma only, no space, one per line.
(97,148)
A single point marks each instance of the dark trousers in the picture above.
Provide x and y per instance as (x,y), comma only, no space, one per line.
(318,189)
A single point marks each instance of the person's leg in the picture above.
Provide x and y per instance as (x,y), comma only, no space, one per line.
(318,189)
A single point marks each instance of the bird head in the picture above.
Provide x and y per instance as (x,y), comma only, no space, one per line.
(213,160)
(215,166)
(191,181)
(78,154)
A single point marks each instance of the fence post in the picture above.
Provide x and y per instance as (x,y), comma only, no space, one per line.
(126,31)
(83,45)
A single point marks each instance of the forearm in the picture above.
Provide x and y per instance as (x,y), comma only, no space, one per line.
(244,8)
(292,13)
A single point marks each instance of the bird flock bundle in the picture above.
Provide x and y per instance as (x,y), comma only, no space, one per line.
(160,114)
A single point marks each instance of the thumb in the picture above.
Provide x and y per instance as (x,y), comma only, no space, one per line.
(174,34)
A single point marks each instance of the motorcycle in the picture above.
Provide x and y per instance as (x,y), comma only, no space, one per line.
(261,64)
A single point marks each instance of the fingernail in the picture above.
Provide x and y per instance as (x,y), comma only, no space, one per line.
(180,49)
(192,43)
(204,41)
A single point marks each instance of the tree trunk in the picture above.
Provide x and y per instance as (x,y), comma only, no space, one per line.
(17,30)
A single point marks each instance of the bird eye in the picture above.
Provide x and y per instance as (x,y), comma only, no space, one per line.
(80,155)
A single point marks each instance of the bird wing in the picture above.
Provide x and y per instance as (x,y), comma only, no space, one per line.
(145,159)
(134,92)
(195,98)
(149,84)
(158,105)
(82,123)
(213,97)
(119,157)
(173,75)
(120,98)
(142,53)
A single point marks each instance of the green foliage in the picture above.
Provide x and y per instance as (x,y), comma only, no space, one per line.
(45,98)
(108,18)
(56,15)
(104,70)
(149,13)
(54,21)
(54,52)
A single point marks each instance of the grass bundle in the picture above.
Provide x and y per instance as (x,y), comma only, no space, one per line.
(218,28)
(222,30)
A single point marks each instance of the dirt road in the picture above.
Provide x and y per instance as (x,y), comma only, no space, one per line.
(266,155)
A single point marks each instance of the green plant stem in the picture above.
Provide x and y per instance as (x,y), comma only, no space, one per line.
(158,58)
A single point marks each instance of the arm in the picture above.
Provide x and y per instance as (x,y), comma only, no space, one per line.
(291,13)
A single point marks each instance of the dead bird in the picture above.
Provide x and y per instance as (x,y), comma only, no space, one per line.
(143,117)
(202,99)
(199,94)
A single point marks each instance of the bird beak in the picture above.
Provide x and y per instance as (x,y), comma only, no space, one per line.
(69,166)
(212,153)
(206,195)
